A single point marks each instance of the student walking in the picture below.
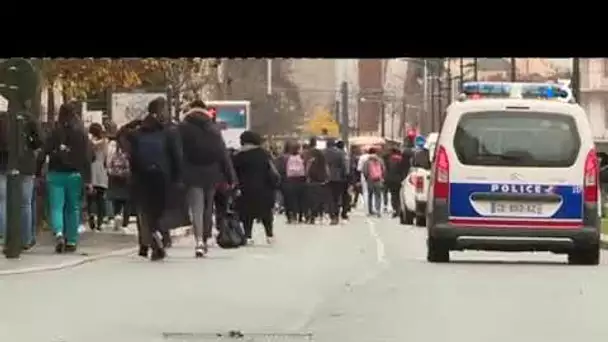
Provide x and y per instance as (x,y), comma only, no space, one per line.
(294,184)
(96,197)
(156,164)
(373,172)
(258,182)
(69,169)
(207,164)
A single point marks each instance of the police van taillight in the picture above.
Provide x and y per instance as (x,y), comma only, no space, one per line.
(441,183)
(590,189)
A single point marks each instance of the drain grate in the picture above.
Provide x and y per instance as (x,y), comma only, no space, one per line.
(235,335)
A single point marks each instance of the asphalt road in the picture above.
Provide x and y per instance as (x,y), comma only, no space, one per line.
(362,281)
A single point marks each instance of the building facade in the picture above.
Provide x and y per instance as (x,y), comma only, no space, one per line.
(594,94)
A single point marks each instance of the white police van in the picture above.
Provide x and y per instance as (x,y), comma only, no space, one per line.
(515,170)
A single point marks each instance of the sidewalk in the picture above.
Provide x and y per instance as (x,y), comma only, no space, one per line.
(604,234)
(92,246)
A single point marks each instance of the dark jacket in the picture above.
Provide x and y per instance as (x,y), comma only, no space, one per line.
(80,156)
(258,180)
(174,151)
(394,173)
(406,161)
(33,140)
(206,159)
(280,163)
(336,163)
(316,166)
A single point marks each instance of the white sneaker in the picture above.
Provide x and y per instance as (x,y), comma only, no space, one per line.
(250,241)
(117,223)
(270,240)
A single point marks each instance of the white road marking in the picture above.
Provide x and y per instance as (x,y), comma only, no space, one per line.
(380,248)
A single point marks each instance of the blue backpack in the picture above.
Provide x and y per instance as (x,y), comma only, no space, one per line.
(151,152)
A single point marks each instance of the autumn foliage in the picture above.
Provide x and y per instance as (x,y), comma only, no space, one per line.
(323,120)
(79,76)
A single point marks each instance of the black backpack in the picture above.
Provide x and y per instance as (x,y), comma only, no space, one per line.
(64,151)
(151,152)
(231,233)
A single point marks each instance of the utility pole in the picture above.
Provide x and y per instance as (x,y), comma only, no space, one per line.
(513,69)
(450,97)
(475,76)
(268,76)
(461,73)
(575,82)
(403,119)
(382,117)
(425,88)
(432,113)
(344,123)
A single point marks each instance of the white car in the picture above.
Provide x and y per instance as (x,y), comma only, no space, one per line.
(415,186)
(515,170)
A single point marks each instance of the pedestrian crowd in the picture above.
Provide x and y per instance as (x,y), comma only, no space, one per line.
(169,174)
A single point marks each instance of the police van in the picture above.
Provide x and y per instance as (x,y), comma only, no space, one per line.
(515,170)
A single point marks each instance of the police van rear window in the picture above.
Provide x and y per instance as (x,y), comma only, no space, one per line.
(524,139)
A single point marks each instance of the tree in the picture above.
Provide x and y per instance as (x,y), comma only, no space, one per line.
(245,79)
(81,76)
(188,78)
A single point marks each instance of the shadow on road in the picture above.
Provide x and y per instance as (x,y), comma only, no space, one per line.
(511,262)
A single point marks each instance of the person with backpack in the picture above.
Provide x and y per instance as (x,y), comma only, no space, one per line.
(317,175)
(69,170)
(373,173)
(119,174)
(32,141)
(207,165)
(294,183)
(338,171)
(156,164)
(258,180)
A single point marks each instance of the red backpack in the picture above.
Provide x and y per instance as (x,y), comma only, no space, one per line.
(375,171)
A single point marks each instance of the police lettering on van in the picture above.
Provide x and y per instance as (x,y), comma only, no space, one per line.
(522,188)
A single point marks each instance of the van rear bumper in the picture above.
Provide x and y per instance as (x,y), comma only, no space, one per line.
(515,239)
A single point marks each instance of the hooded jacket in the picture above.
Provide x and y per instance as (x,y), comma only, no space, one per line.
(337,164)
(78,157)
(33,140)
(206,158)
(174,152)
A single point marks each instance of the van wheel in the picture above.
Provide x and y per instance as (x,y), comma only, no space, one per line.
(421,221)
(437,250)
(585,256)
(407,217)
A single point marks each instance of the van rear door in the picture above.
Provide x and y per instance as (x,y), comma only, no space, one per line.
(516,169)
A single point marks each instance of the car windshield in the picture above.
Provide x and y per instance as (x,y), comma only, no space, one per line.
(525,139)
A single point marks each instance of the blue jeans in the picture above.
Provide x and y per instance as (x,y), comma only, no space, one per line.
(28,230)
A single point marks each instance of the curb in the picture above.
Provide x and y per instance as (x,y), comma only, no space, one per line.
(604,241)
(175,233)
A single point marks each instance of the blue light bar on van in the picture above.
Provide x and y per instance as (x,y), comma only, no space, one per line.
(494,90)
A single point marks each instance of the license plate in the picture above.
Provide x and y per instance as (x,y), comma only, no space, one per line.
(516,208)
